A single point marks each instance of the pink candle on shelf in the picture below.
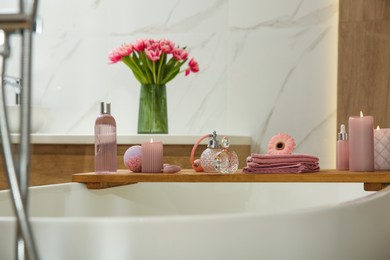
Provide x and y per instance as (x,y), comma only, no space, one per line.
(361,143)
(152,156)
(382,148)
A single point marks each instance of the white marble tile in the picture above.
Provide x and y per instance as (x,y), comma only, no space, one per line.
(290,86)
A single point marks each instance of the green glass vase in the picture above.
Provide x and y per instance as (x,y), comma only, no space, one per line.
(152,113)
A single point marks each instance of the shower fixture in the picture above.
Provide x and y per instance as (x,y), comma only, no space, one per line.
(17,165)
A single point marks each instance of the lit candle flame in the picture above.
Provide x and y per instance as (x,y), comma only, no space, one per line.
(361,114)
(377,128)
(151,140)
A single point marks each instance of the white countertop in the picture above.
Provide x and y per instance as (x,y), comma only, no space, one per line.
(127,139)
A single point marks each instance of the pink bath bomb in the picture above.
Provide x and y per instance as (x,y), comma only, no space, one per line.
(133,158)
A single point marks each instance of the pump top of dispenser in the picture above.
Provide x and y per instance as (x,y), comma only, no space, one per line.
(105,108)
(342,135)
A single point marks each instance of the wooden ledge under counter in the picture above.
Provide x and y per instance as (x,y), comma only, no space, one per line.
(373,181)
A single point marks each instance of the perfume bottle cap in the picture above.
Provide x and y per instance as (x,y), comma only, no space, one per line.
(342,135)
(108,108)
(213,142)
(105,108)
(225,143)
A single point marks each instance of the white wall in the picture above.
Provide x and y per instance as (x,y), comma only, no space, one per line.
(266,67)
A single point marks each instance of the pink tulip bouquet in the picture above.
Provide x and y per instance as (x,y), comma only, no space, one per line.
(154,62)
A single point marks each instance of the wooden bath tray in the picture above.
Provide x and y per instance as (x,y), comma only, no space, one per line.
(373,181)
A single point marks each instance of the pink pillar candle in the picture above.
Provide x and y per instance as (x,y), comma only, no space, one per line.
(382,149)
(361,143)
(152,157)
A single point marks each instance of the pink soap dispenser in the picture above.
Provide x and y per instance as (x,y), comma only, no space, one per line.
(342,150)
(105,141)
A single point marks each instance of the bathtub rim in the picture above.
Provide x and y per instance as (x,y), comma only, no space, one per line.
(196,217)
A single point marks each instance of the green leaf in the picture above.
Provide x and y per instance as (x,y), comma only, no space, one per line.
(169,66)
(134,68)
(170,75)
(145,68)
(141,65)
(151,67)
(161,65)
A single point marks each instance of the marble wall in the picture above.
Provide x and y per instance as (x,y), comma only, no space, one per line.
(266,67)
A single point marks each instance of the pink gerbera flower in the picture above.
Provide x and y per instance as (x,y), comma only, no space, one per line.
(281,144)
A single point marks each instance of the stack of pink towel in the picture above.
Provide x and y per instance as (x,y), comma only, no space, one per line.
(281,163)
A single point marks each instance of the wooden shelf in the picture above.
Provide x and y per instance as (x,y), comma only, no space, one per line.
(373,181)
(53,163)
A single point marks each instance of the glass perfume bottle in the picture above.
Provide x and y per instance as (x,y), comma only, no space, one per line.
(105,141)
(208,155)
(226,161)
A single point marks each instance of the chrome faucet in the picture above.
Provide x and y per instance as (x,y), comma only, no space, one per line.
(17,167)
(16,84)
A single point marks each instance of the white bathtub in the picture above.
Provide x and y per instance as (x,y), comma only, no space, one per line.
(204,221)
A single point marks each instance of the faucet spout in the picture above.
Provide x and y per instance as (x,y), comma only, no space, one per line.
(16,84)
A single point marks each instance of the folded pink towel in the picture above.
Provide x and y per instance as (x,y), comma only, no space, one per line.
(281,158)
(281,163)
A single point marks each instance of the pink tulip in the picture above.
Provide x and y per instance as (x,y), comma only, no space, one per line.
(167,46)
(153,54)
(139,45)
(126,50)
(150,43)
(193,66)
(153,50)
(114,56)
(166,57)
(180,54)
